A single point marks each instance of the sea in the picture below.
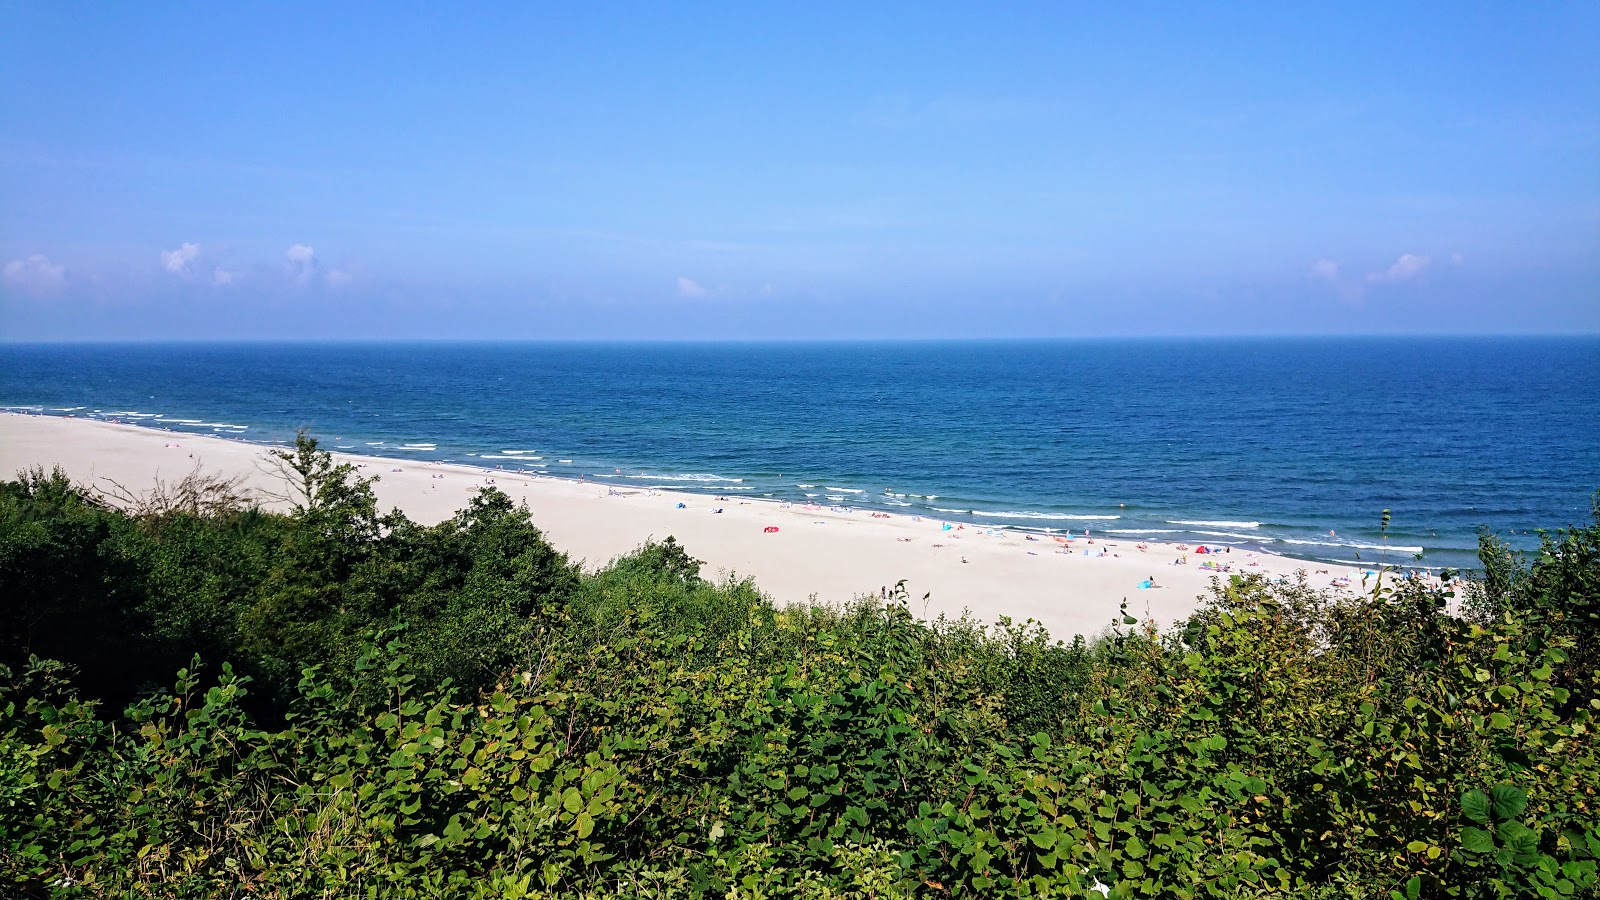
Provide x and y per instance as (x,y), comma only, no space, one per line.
(1296,446)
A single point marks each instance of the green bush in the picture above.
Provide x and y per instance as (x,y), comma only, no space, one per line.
(469,715)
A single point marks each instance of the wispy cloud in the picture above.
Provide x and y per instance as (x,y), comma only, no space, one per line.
(1407,268)
(1325,270)
(36,273)
(688,287)
(221,277)
(179,261)
(302,259)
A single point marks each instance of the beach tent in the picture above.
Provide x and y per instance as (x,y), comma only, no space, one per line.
(1201,549)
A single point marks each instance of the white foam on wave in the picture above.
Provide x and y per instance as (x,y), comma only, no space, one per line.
(521,453)
(845,490)
(691,476)
(1037,515)
(1214,523)
(1145,531)
(805,485)
(375,443)
(501,456)
(563,460)
(943,509)
(1353,546)
(37,408)
(1242,537)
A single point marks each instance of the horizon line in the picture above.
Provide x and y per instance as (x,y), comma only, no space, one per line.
(1379,335)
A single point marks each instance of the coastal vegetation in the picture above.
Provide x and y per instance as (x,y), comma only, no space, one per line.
(201,697)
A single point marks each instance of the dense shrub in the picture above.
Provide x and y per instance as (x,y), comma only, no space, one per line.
(471,716)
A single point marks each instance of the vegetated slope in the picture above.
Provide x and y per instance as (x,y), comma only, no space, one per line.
(376,708)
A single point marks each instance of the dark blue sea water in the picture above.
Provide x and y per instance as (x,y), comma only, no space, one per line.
(1296,445)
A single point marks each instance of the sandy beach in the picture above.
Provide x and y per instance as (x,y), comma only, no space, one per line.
(829,554)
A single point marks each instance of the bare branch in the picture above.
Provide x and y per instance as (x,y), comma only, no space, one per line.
(198,494)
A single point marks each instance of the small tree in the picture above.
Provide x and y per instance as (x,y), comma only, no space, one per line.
(322,491)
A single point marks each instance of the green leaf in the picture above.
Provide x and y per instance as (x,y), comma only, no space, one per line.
(1520,840)
(1476,806)
(1476,840)
(585,825)
(1508,801)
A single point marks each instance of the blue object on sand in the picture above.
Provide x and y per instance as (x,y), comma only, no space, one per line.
(1144,585)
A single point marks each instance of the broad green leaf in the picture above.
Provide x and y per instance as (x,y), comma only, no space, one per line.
(1476,806)
(1508,801)
(1520,840)
(1476,840)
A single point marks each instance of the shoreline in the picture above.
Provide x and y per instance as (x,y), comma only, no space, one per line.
(1297,540)
(829,554)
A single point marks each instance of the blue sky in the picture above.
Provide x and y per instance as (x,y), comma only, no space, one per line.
(805,171)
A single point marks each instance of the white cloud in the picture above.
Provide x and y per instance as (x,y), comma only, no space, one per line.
(1406,268)
(339,278)
(302,261)
(36,273)
(221,277)
(177,261)
(688,287)
(1325,269)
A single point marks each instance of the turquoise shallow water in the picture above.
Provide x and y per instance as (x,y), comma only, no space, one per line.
(1264,442)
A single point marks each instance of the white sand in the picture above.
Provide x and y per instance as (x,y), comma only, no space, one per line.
(826,555)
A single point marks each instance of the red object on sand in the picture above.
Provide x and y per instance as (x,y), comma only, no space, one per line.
(769,529)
